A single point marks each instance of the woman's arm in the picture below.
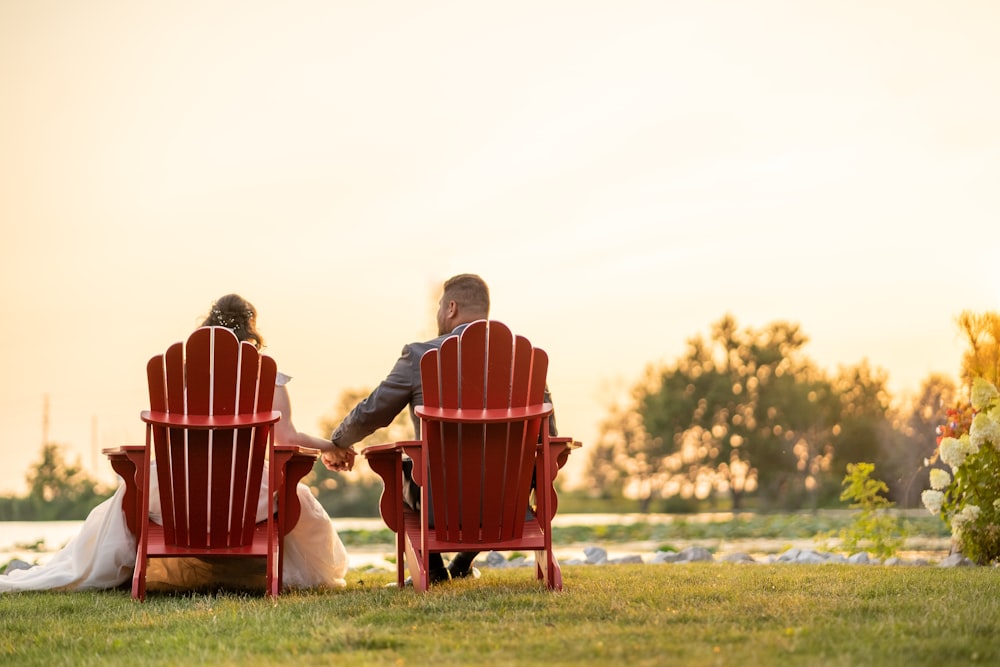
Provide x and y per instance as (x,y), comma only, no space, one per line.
(285,433)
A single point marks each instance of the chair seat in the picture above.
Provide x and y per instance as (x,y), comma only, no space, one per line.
(532,538)
(158,548)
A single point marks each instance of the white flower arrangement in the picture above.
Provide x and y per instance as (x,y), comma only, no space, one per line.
(968,497)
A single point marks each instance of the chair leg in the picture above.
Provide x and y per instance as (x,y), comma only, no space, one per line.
(139,580)
(273,580)
(547,569)
(400,558)
(417,564)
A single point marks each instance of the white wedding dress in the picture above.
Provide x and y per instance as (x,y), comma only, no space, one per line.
(102,555)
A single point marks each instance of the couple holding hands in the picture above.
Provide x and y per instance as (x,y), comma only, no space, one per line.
(103,554)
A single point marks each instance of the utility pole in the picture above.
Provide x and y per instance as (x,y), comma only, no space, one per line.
(45,419)
(93,444)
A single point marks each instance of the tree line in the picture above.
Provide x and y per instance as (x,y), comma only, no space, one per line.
(744,419)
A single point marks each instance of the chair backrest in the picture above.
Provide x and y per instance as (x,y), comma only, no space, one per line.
(481,469)
(209,476)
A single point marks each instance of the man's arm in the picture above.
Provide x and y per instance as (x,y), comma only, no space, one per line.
(378,410)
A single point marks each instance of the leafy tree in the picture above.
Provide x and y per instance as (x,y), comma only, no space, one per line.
(743,410)
(982,358)
(864,429)
(59,490)
(356,493)
(609,466)
(913,439)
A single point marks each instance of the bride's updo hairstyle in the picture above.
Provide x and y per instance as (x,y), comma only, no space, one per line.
(236,314)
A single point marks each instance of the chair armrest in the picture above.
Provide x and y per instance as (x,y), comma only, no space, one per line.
(388,448)
(124,450)
(561,447)
(293,463)
(386,461)
(128,461)
(173,420)
(298,449)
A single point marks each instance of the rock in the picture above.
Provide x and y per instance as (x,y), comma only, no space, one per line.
(739,557)
(696,554)
(495,559)
(789,556)
(956,560)
(809,557)
(664,557)
(596,555)
(17,564)
(632,559)
(520,561)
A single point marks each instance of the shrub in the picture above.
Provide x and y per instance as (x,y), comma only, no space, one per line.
(874,529)
(966,495)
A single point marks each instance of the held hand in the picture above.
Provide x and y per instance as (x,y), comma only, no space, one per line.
(339,460)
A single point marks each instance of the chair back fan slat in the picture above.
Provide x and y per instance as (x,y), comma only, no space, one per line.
(443,391)
(258,374)
(472,365)
(497,448)
(521,442)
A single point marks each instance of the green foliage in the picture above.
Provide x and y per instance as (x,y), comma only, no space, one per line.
(696,614)
(900,460)
(355,493)
(344,495)
(968,498)
(745,420)
(798,525)
(743,413)
(873,529)
(58,491)
(982,356)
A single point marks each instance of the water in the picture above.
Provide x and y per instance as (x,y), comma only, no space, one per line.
(20,539)
(37,541)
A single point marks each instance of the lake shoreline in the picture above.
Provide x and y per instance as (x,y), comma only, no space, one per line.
(36,541)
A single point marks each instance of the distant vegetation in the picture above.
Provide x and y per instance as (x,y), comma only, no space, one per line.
(746,420)
(743,420)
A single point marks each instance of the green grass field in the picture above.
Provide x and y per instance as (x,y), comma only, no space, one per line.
(692,614)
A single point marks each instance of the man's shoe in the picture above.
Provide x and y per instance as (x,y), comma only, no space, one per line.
(433,577)
(472,572)
(439,575)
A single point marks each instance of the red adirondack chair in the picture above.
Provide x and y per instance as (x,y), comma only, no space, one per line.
(484,438)
(210,431)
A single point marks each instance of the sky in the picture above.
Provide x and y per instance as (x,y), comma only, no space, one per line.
(623,174)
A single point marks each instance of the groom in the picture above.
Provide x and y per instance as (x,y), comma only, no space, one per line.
(465,299)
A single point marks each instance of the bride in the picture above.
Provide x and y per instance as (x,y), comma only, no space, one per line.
(103,554)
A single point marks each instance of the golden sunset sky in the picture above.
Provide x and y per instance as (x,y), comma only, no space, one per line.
(622,174)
